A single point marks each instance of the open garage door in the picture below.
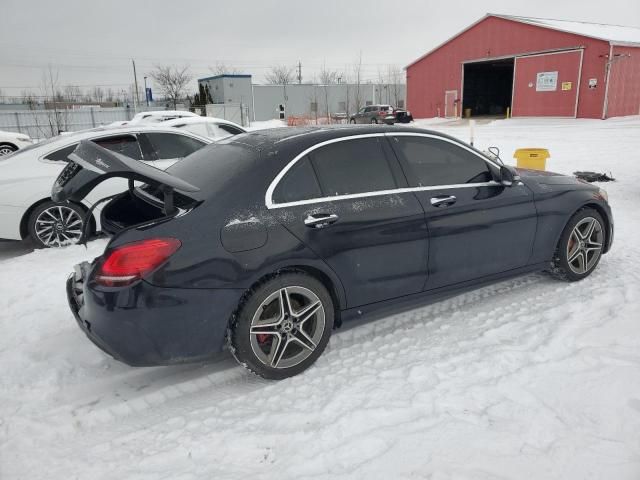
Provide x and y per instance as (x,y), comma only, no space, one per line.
(547,84)
(488,87)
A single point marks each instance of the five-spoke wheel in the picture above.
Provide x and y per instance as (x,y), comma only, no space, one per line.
(283,325)
(580,246)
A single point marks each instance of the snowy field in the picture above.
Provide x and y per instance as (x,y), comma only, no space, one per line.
(530,378)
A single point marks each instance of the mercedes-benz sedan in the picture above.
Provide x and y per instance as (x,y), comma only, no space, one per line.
(268,240)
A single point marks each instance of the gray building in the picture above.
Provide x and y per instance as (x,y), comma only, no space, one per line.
(266,102)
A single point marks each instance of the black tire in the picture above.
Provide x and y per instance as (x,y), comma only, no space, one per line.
(7,148)
(70,211)
(352,121)
(374,120)
(569,244)
(254,351)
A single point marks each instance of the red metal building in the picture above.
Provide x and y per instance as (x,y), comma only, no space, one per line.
(532,66)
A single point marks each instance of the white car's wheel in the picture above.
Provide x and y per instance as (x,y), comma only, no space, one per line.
(6,149)
(56,224)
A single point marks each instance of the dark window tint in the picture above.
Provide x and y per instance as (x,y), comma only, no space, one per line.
(168,146)
(299,183)
(62,154)
(230,129)
(432,162)
(352,166)
(125,144)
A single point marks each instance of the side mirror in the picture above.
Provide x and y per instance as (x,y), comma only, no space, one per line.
(508,175)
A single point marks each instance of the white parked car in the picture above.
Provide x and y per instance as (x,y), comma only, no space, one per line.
(26,208)
(12,141)
(214,128)
(158,116)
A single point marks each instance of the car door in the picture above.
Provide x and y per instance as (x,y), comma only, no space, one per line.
(342,201)
(477,227)
(359,116)
(167,148)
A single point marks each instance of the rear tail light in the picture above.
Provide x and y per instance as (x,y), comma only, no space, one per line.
(132,261)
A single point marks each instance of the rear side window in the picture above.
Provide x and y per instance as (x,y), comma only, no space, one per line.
(166,146)
(125,144)
(352,166)
(299,183)
(433,162)
(62,154)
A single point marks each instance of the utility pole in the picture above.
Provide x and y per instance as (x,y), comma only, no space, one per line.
(136,98)
(299,72)
(146,93)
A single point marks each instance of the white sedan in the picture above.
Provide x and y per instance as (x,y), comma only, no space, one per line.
(26,178)
(214,128)
(12,141)
(155,116)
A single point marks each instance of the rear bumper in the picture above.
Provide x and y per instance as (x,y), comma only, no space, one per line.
(145,325)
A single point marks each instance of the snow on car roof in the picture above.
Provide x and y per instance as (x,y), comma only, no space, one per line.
(617,34)
(199,119)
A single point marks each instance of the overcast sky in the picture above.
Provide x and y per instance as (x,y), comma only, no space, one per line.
(91,42)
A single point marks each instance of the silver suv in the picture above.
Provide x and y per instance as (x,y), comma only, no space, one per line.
(374,114)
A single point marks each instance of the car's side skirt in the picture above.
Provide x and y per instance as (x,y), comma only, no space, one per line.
(378,310)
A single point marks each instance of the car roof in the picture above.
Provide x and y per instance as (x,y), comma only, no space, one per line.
(316,134)
(199,119)
(165,113)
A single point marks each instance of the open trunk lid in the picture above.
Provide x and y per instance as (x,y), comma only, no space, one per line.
(90,164)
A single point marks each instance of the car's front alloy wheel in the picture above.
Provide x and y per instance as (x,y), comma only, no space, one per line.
(283,326)
(56,224)
(580,246)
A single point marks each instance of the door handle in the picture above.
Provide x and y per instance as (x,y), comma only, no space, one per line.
(443,200)
(320,220)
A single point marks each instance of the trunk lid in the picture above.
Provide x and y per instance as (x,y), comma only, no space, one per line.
(90,164)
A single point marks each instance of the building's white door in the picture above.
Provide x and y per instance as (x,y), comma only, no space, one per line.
(450,105)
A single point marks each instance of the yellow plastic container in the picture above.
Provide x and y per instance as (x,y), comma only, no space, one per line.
(533,158)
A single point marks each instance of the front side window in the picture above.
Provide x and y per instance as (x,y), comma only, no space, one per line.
(352,166)
(169,146)
(434,162)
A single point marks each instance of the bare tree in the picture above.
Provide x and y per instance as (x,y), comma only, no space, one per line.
(56,117)
(280,75)
(110,95)
(395,78)
(328,77)
(172,82)
(222,68)
(97,94)
(357,80)
(72,93)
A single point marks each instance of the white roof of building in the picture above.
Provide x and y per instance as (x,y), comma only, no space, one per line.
(616,34)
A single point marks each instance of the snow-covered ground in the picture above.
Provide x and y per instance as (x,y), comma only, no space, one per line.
(530,378)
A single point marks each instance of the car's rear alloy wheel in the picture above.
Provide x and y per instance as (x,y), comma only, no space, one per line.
(56,224)
(373,120)
(580,246)
(6,150)
(283,326)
